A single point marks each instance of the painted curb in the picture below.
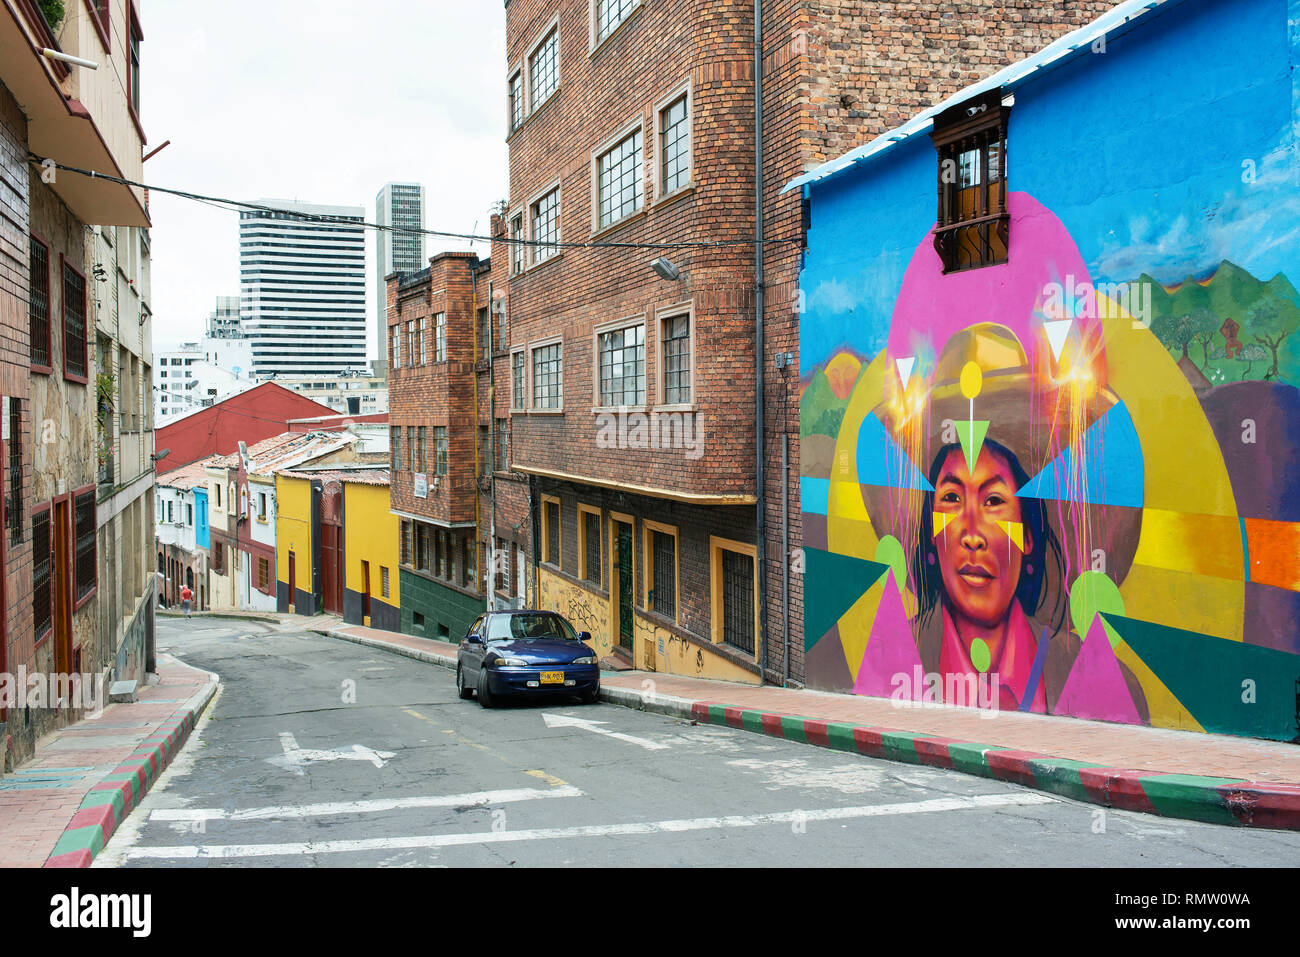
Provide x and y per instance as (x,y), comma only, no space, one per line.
(1192,797)
(108,803)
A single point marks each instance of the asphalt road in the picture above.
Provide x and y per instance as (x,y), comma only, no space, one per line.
(322,752)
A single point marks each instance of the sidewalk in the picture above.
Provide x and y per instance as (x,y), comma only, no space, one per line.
(1214,778)
(60,808)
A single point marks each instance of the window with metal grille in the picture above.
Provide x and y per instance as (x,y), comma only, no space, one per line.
(622,366)
(502,444)
(405,558)
(517,247)
(663,594)
(591,543)
(677,359)
(422,547)
(440,449)
(42,608)
(74,322)
(83,508)
(394,452)
(422,450)
(440,551)
(675,140)
(738,600)
(440,337)
(609,14)
(544,70)
(973,223)
(38,302)
(483,329)
(619,178)
(14,498)
(516,101)
(383,581)
(553,532)
(546,376)
(517,385)
(501,565)
(546,225)
(263,573)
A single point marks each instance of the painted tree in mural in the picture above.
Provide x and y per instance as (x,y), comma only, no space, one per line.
(1182,330)
(1249,355)
(1205,326)
(1268,324)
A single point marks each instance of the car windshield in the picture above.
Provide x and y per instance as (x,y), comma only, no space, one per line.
(509,627)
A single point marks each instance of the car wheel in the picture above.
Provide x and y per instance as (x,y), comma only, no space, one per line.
(464,692)
(591,697)
(484,692)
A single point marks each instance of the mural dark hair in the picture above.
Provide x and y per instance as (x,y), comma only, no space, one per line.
(1030,592)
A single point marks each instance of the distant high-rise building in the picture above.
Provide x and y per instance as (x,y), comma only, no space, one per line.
(223,322)
(400,205)
(303,287)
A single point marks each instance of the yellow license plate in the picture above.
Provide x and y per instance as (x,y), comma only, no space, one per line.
(552,677)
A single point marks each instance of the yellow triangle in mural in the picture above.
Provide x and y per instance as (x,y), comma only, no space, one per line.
(1015,531)
(855,625)
(941,520)
(1163,709)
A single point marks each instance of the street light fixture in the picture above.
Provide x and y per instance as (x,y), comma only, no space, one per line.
(665,269)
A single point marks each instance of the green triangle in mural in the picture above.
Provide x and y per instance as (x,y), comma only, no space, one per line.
(1230,687)
(831,584)
(971,435)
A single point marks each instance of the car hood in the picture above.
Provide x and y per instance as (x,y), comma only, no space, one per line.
(541,650)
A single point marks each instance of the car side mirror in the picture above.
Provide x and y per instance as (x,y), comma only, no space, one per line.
(474,639)
(584,636)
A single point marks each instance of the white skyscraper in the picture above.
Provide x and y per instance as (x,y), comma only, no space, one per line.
(401,205)
(303,287)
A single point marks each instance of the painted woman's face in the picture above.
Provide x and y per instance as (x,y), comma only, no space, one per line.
(978,559)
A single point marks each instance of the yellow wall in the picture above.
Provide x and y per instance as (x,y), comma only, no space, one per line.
(371,534)
(589,611)
(293,530)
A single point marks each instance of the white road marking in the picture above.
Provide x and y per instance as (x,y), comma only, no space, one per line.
(470,799)
(564,721)
(591,830)
(295,758)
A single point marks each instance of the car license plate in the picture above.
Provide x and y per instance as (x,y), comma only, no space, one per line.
(552,677)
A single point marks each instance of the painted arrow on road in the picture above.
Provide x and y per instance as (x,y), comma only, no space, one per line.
(564,721)
(295,758)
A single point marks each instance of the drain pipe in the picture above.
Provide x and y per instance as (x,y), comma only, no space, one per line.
(761,509)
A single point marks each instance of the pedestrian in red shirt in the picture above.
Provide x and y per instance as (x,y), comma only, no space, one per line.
(186,595)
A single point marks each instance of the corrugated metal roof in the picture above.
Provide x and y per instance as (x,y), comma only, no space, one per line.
(1006,79)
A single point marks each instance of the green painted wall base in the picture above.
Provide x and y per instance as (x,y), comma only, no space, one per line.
(447,613)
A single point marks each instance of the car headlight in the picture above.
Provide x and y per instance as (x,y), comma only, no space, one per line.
(589,660)
(510,663)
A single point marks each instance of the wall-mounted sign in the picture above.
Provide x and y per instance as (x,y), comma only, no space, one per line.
(421,485)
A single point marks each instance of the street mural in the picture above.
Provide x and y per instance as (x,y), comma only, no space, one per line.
(1061,486)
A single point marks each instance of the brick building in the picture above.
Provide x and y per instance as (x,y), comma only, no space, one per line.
(634,393)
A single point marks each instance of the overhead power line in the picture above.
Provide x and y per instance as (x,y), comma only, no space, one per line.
(237,204)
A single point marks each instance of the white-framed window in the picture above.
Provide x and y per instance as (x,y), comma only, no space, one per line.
(516,96)
(440,337)
(607,15)
(517,247)
(518,381)
(675,157)
(440,449)
(544,69)
(620,356)
(544,220)
(620,180)
(395,334)
(676,354)
(419,331)
(548,371)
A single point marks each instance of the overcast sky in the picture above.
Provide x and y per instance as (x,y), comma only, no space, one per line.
(323,102)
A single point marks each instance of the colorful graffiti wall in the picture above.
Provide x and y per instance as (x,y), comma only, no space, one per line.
(1070,483)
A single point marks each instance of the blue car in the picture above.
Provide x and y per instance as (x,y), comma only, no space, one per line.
(508,653)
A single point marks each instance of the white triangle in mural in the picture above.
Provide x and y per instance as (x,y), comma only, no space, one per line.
(905,368)
(1058,330)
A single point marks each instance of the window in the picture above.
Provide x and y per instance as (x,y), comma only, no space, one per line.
(546,377)
(619,181)
(14,499)
(609,14)
(661,571)
(83,518)
(263,573)
(502,443)
(551,529)
(544,70)
(383,581)
(734,593)
(589,554)
(973,223)
(395,335)
(410,342)
(216,489)
(410,448)
(74,324)
(677,359)
(134,75)
(170,520)
(38,304)
(545,216)
(517,384)
(394,453)
(422,547)
(622,366)
(422,450)
(189,515)
(440,337)
(484,440)
(41,566)
(516,100)
(470,564)
(484,330)
(440,449)
(440,548)
(405,557)
(261,505)
(675,146)
(501,566)
(419,332)
(517,245)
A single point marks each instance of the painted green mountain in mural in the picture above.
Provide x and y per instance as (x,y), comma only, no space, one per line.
(1231,326)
